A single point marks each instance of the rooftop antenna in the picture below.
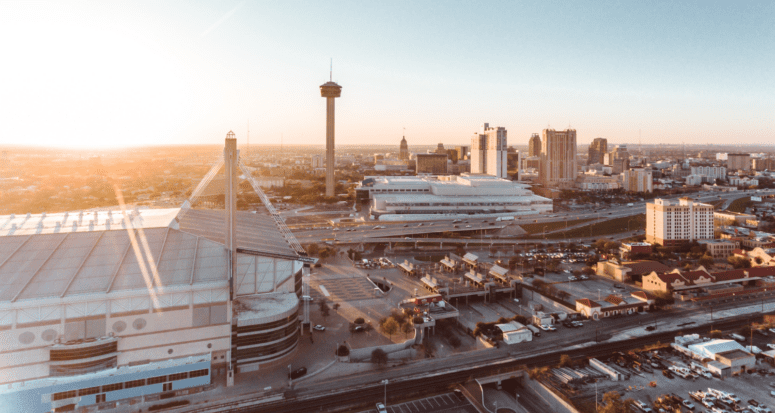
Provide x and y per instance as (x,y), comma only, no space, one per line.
(331,71)
(248,136)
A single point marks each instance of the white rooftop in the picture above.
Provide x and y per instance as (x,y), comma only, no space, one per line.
(709,349)
(85,221)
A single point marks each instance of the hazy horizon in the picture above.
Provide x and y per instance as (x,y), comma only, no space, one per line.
(139,74)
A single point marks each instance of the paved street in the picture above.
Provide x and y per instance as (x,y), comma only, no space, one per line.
(443,403)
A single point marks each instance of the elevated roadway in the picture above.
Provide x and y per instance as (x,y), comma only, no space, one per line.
(402,229)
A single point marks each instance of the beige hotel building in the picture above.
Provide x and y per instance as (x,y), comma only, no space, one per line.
(672,223)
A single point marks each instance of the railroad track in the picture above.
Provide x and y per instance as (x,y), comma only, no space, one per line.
(363,396)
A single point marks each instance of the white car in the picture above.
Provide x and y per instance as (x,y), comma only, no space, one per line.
(771,346)
(572,278)
(772,330)
(381,408)
(319,328)
(689,405)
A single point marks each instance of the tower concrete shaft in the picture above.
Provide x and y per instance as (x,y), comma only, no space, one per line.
(330,91)
(231,164)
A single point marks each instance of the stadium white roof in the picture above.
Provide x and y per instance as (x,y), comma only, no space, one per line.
(166,248)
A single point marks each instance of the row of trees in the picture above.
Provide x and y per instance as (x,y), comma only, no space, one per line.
(397,321)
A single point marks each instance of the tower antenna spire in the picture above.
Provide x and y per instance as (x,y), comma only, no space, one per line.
(331,71)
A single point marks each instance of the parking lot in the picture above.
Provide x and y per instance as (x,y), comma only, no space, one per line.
(747,386)
(447,403)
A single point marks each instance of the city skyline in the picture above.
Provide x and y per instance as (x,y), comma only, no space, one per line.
(89,75)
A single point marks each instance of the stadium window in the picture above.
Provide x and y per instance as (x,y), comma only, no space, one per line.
(63,395)
(134,383)
(90,390)
(199,373)
(178,376)
(157,380)
(112,387)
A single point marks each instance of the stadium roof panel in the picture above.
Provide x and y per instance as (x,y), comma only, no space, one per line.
(166,249)
(255,232)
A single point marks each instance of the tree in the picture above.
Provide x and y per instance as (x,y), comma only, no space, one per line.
(390,327)
(613,403)
(379,357)
(715,334)
(565,361)
(587,271)
(612,245)
(662,298)
(706,261)
(313,249)
(359,320)
(739,262)
(407,328)
(342,351)
(324,310)
(335,306)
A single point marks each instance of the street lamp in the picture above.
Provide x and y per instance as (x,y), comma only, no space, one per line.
(385,382)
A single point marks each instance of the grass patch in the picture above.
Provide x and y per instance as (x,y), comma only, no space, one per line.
(740,204)
(612,226)
(551,226)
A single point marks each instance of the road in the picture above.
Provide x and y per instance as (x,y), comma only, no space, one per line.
(364,232)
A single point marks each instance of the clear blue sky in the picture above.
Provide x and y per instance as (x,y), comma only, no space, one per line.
(174,72)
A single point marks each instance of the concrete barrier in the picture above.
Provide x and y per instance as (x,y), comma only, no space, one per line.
(360,354)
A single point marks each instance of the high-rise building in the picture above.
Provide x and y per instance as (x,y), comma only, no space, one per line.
(672,223)
(597,149)
(317,161)
(403,151)
(534,145)
(638,180)
(330,91)
(762,164)
(431,163)
(558,157)
(514,163)
(711,173)
(618,159)
(462,152)
(488,151)
(739,162)
(440,149)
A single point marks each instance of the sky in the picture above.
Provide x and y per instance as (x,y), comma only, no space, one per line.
(135,73)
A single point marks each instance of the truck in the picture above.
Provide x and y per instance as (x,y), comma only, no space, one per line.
(701,370)
(536,331)
(737,337)
(504,219)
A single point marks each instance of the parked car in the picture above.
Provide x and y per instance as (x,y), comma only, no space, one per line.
(298,373)
(689,405)
(619,286)
(381,408)
(319,328)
